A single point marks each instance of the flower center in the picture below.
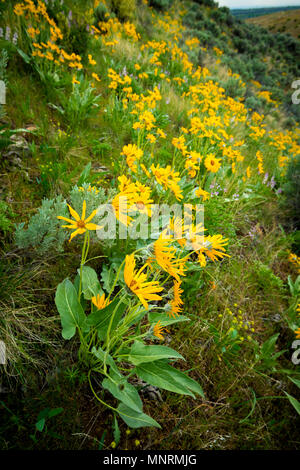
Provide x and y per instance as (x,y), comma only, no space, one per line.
(140,205)
(80,224)
(133,284)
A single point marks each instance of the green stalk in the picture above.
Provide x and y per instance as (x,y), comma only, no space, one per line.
(83,258)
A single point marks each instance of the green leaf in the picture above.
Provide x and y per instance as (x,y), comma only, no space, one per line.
(157,374)
(187,381)
(43,414)
(55,412)
(165,320)
(140,353)
(269,346)
(71,313)
(291,286)
(100,319)
(83,178)
(234,334)
(124,392)
(294,402)
(100,354)
(295,381)
(116,431)
(134,419)
(24,56)
(107,277)
(101,442)
(90,284)
(162,375)
(40,424)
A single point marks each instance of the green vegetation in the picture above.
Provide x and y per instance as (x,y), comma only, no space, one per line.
(180,339)
(244,47)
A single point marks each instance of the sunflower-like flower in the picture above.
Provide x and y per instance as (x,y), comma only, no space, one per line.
(120,204)
(176,303)
(133,197)
(201,193)
(176,229)
(138,284)
(158,330)
(212,163)
(100,302)
(213,247)
(132,154)
(195,235)
(80,224)
(297,333)
(192,163)
(165,255)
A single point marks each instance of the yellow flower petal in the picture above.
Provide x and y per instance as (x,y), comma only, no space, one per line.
(91,216)
(77,232)
(93,226)
(73,213)
(83,210)
(65,218)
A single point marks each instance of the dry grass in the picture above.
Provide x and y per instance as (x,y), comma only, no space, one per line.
(283,22)
(25,326)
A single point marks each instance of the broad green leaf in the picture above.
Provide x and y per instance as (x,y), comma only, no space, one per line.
(71,313)
(157,374)
(164,319)
(77,282)
(134,419)
(162,375)
(140,353)
(187,381)
(100,319)
(90,284)
(295,381)
(124,392)
(294,402)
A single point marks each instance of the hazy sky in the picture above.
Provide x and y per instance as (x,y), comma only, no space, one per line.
(257,3)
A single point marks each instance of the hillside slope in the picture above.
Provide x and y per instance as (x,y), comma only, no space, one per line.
(118,332)
(245,13)
(283,22)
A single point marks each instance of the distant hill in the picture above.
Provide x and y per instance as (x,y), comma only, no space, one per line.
(280,22)
(244,14)
(270,60)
